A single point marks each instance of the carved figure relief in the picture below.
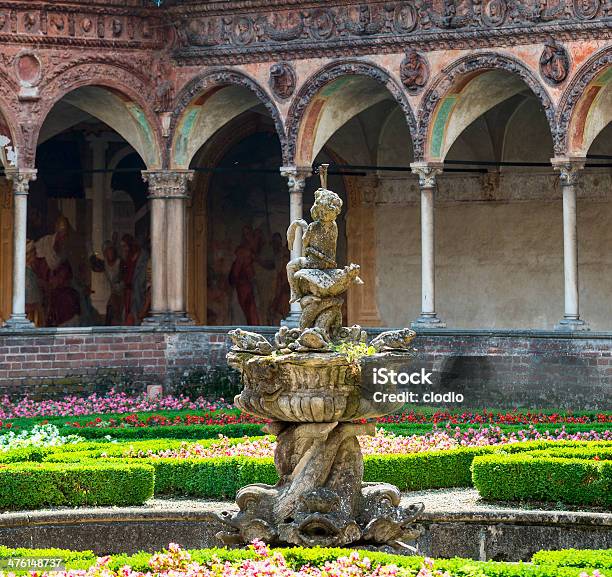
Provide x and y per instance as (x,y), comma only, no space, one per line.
(117,27)
(322,23)
(494,13)
(414,71)
(28,69)
(282,80)
(554,61)
(57,22)
(243,32)
(86,25)
(368,22)
(164,90)
(586,9)
(405,18)
(29,21)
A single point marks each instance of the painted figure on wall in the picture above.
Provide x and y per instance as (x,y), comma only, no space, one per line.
(110,266)
(37,273)
(134,262)
(248,214)
(242,273)
(279,307)
(63,301)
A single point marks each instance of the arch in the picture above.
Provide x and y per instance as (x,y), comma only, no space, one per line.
(114,94)
(586,106)
(207,103)
(8,121)
(308,108)
(458,96)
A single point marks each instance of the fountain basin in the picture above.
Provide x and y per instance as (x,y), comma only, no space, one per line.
(313,388)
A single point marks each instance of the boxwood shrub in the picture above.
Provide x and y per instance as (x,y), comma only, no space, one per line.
(36,485)
(597,558)
(298,557)
(187,432)
(543,478)
(222,477)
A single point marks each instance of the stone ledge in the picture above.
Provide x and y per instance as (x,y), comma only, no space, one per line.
(445,332)
(478,531)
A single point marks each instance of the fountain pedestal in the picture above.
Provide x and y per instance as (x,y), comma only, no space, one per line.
(314,394)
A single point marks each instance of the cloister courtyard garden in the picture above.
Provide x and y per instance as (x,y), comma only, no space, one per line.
(140,461)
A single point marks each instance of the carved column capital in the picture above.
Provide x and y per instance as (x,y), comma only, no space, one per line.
(168,184)
(427,173)
(569,168)
(21,178)
(296,177)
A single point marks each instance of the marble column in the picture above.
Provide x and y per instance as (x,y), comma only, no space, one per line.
(21,179)
(168,195)
(427,173)
(296,181)
(97,195)
(569,173)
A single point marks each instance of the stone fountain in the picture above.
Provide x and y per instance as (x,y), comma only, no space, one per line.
(313,392)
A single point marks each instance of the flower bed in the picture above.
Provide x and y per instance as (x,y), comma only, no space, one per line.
(140,420)
(259,561)
(111,402)
(40,436)
(383,442)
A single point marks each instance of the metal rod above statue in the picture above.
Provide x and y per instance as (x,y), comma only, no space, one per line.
(313,390)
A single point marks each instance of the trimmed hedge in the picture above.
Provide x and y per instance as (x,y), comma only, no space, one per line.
(195,432)
(543,478)
(36,485)
(191,432)
(298,557)
(222,477)
(597,558)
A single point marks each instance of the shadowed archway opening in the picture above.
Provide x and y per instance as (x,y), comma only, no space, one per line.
(360,119)
(88,256)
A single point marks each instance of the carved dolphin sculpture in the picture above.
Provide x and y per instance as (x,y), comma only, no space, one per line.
(245,341)
(393,340)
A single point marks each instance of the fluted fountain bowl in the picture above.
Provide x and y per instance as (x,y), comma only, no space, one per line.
(313,388)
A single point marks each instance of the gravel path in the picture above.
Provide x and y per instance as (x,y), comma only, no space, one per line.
(436,501)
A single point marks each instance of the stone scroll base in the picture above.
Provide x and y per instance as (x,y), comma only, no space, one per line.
(320,499)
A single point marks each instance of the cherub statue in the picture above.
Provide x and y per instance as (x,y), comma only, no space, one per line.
(315,280)
(319,238)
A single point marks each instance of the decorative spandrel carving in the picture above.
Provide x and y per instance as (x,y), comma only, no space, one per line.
(164,89)
(282,80)
(414,71)
(554,61)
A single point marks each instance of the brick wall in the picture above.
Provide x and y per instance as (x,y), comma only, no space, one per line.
(491,368)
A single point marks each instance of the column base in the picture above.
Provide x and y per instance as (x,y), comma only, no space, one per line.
(428,321)
(181,318)
(572,324)
(292,320)
(155,320)
(168,320)
(19,323)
